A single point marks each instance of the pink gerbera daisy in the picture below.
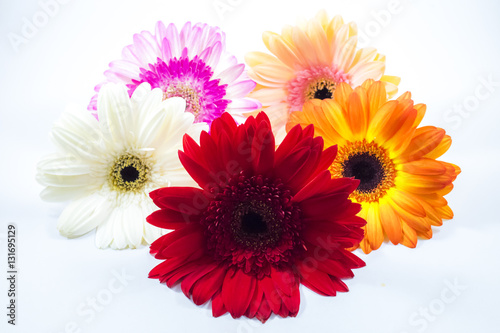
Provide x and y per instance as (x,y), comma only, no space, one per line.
(192,64)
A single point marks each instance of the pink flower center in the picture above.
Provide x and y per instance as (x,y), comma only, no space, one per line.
(314,82)
(190,79)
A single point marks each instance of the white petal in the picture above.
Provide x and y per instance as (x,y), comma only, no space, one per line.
(140,93)
(83,215)
(104,233)
(77,133)
(176,105)
(151,233)
(133,224)
(58,194)
(118,218)
(115,114)
(63,180)
(152,117)
(62,164)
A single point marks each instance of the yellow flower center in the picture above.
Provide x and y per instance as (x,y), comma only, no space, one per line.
(129,173)
(370,164)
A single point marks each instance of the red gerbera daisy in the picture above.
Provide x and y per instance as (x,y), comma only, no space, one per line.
(264,221)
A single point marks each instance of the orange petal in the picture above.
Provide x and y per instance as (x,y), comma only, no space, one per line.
(380,119)
(342,93)
(358,118)
(391,223)
(407,202)
(445,212)
(425,140)
(420,113)
(441,148)
(424,166)
(374,231)
(377,97)
(409,236)
(419,184)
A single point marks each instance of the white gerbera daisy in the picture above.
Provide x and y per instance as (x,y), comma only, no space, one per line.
(108,167)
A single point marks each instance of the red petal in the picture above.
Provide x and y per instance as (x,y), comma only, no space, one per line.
(327,158)
(199,173)
(292,164)
(316,280)
(210,153)
(237,292)
(320,207)
(181,199)
(264,311)
(223,125)
(208,285)
(196,275)
(263,147)
(307,171)
(262,117)
(170,219)
(292,302)
(289,142)
(285,280)
(185,245)
(335,268)
(242,149)
(218,308)
(171,237)
(317,185)
(323,184)
(256,301)
(270,293)
(192,149)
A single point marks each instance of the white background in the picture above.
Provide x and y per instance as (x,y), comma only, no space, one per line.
(442,50)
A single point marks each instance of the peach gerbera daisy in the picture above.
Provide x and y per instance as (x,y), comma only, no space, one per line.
(401,183)
(309,61)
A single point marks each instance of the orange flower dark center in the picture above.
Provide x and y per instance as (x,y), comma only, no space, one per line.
(365,167)
(370,164)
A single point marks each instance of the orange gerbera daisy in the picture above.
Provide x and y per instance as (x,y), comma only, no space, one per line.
(309,62)
(401,183)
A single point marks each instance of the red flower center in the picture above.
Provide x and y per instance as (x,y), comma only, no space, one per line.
(253,225)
